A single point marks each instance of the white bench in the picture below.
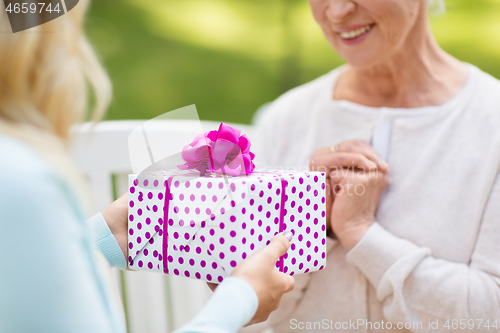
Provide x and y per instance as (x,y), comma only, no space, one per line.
(153,303)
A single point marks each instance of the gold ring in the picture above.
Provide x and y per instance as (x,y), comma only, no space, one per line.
(334,148)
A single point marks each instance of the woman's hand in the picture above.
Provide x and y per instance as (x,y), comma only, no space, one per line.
(357,194)
(116,216)
(335,159)
(269,284)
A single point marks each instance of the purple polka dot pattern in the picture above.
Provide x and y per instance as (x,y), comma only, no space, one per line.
(215,223)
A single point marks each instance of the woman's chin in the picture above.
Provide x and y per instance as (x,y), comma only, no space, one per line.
(360,58)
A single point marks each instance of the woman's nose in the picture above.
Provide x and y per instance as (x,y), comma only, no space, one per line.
(338,10)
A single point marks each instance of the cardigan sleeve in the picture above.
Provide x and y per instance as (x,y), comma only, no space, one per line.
(233,296)
(446,290)
(105,242)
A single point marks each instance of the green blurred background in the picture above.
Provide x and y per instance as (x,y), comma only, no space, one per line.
(231,56)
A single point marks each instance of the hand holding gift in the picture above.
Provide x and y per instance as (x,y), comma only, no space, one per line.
(116,218)
(269,284)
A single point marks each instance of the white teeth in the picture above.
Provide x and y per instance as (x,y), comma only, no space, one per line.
(355,33)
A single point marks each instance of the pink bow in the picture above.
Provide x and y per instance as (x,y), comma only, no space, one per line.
(223,151)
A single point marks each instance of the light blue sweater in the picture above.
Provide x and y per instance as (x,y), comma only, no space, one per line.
(49,277)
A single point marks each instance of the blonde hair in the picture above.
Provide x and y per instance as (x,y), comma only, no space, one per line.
(45,74)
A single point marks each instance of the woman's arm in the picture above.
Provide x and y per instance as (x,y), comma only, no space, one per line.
(414,286)
(417,287)
(232,306)
(252,292)
(109,232)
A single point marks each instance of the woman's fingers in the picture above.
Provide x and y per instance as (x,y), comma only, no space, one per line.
(288,282)
(338,160)
(335,162)
(355,146)
(276,248)
(260,272)
(356,201)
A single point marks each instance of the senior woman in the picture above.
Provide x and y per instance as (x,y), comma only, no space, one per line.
(51,280)
(422,253)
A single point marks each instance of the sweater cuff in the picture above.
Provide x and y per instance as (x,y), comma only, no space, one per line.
(243,298)
(105,242)
(377,251)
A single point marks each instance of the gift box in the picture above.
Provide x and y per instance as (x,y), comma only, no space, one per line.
(202,227)
(200,219)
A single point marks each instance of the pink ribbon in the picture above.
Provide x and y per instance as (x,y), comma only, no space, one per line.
(224,151)
(282,215)
(166,204)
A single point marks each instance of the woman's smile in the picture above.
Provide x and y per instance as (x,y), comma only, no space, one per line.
(387,24)
(355,34)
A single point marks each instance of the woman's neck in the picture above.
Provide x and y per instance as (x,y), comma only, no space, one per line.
(420,74)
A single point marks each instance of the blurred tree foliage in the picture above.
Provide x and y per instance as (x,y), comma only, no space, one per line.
(231,56)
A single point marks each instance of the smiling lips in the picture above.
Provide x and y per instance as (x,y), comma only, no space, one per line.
(355,33)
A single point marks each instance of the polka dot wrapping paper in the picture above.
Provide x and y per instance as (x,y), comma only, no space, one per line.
(202,227)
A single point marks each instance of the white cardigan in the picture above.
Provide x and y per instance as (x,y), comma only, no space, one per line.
(435,252)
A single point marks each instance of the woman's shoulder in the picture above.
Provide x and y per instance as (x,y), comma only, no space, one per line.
(483,76)
(484,84)
(31,191)
(483,97)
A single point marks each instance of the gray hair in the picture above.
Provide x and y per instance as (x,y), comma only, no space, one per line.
(436,7)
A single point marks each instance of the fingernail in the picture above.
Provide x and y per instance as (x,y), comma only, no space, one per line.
(288,235)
